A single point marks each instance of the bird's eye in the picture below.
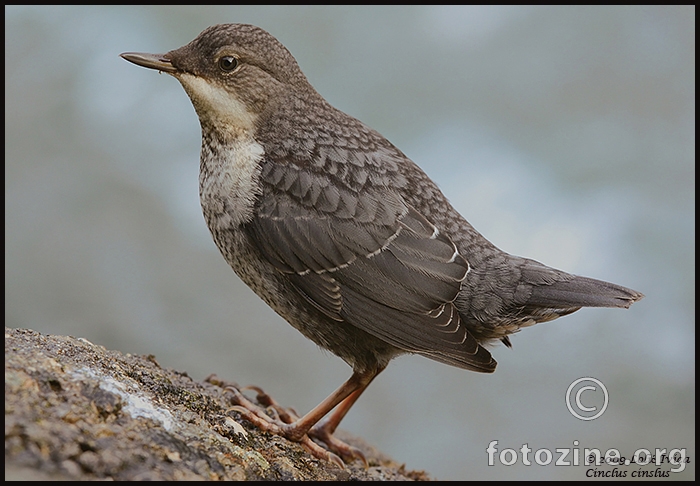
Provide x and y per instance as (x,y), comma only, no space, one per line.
(228,63)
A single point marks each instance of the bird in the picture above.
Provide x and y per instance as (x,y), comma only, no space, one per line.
(343,235)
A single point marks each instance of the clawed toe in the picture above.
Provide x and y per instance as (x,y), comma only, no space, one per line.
(286,415)
(284,422)
(346,451)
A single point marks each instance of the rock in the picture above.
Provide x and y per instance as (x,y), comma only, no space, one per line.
(75,410)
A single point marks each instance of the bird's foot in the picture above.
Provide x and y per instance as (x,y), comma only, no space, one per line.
(220,382)
(284,422)
(322,431)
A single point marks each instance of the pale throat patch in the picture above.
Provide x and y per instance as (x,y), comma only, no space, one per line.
(229,174)
(217,105)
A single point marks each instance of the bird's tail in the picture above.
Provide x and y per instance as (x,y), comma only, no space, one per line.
(566,290)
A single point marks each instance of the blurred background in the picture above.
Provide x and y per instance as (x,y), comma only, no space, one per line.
(564,134)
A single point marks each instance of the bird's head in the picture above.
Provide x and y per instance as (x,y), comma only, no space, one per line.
(233,73)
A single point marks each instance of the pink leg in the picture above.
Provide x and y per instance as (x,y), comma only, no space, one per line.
(297,429)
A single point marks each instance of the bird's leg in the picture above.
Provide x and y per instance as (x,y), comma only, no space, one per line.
(297,429)
(323,430)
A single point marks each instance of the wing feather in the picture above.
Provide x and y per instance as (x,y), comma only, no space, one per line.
(367,258)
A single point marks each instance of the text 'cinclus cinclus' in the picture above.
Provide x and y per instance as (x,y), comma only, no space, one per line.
(342,234)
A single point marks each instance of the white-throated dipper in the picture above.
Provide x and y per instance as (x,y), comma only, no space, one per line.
(343,235)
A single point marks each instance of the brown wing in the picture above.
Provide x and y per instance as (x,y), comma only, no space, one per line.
(367,258)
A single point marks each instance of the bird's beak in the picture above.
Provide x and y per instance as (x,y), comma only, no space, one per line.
(151,61)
